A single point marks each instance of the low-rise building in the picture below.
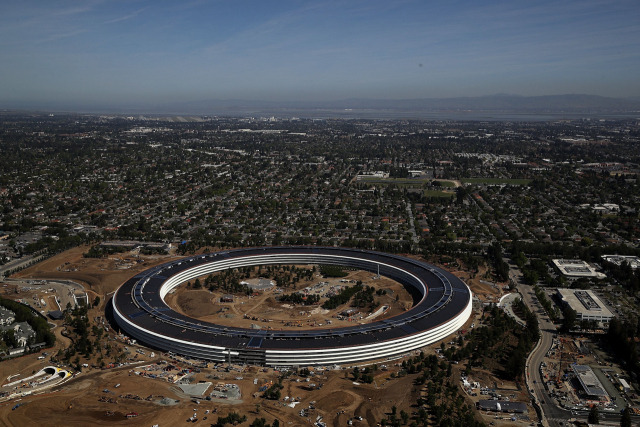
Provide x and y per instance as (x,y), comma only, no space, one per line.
(576,268)
(226,298)
(633,261)
(502,406)
(350,312)
(7,316)
(586,304)
(24,334)
(22,331)
(626,387)
(590,384)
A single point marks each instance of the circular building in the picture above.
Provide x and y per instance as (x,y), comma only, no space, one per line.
(441,305)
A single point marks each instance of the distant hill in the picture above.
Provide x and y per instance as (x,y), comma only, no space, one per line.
(508,103)
(546,104)
(491,107)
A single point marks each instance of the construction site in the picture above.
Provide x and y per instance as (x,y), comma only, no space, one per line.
(265,310)
(578,375)
(122,379)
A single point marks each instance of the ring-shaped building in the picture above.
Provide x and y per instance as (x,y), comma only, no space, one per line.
(441,305)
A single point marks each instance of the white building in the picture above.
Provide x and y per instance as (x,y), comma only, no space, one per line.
(625,385)
(7,316)
(372,175)
(22,332)
(576,268)
(633,261)
(586,304)
(591,385)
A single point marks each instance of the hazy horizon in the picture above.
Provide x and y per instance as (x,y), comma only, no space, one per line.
(141,54)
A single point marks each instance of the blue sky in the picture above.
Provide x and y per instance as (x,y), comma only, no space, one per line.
(116,52)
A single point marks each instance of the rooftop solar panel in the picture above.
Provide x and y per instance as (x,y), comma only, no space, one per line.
(413,274)
(137,314)
(255,342)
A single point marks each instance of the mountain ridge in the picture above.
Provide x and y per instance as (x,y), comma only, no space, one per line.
(568,103)
(497,103)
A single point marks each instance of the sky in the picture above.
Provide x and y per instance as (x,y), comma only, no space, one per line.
(140,52)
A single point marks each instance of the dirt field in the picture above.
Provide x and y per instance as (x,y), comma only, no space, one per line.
(100,276)
(83,401)
(80,400)
(483,289)
(264,311)
(79,403)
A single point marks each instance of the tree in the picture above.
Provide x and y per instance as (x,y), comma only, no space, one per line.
(10,339)
(570,317)
(461,193)
(233,418)
(405,417)
(625,420)
(594,417)
(520,259)
(273,392)
(530,277)
(356,373)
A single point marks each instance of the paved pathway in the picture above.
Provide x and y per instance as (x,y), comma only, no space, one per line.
(552,415)
(506,302)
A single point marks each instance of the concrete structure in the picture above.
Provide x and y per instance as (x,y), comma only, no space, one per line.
(195,390)
(625,385)
(576,268)
(370,175)
(591,385)
(132,244)
(7,316)
(442,304)
(350,312)
(22,331)
(586,304)
(633,261)
(56,314)
(502,406)
(261,285)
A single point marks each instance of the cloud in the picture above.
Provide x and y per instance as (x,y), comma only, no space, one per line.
(126,17)
(88,7)
(63,35)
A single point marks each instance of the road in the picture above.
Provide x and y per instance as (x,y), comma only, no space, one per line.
(553,415)
(506,303)
(20,263)
(64,289)
(412,226)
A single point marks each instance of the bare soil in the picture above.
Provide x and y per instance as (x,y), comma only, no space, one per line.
(265,311)
(78,402)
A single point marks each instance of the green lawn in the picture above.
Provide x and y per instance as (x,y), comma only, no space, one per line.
(436,193)
(447,184)
(514,181)
(409,182)
(406,182)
